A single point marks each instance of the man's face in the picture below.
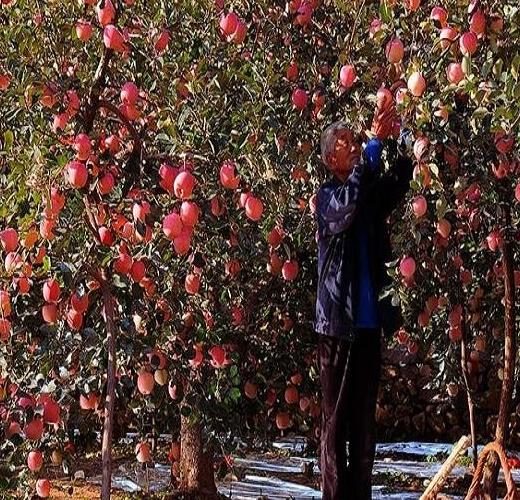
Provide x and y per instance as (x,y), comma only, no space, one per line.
(345,154)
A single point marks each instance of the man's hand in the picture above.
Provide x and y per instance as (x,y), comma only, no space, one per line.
(383,122)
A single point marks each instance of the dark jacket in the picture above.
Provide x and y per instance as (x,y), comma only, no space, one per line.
(363,199)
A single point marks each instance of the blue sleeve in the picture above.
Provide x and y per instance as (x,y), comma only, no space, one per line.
(373,151)
(336,203)
(391,188)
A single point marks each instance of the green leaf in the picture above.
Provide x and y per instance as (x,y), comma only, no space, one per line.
(235,394)
(8,140)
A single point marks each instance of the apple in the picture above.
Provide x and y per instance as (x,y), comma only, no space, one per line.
(416,84)
(299,98)
(394,50)
(347,76)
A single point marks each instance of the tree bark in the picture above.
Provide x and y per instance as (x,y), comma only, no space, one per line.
(196,464)
(108,424)
(469,395)
(504,414)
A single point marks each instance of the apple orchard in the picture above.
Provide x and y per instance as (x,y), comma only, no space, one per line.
(158,167)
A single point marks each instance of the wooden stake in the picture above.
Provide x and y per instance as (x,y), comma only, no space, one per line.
(443,473)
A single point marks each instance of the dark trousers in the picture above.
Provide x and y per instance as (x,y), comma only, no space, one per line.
(349,374)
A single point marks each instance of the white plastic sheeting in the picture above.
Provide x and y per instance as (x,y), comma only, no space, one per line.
(405,459)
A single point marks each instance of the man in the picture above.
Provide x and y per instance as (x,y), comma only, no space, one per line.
(353,246)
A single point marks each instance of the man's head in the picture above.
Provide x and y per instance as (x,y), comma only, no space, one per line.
(339,149)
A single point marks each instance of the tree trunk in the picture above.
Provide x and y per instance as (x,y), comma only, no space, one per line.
(108,425)
(504,413)
(469,396)
(196,464)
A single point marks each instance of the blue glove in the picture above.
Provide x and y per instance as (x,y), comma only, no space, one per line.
(373,151)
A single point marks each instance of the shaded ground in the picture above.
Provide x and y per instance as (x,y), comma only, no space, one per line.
(402,471)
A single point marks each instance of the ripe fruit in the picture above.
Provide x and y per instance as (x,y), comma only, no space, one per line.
(283,420)
(291,395)
(9,239)
(455,73)
(275,237)
(384,98)
(34,430)
(145,382)
(420,147)
(51,290)
(503,142)
(167,173)
(56,457)
(416,84)
(494,240)
(114,39)
(228,23)
(5,80)
(51,410)
(189,213)
(228,177)
(444,228)
(74,319)
(138,271)
(162,41)
(89,401)
(172,225)
(49,313)
(407,267)
(468,43)
(106,237)
(243,198)
(275,264)
(113,143)
(183,185)
(76,174)
(218,357)
(82,147)
(129,93)
(140,210)
(440,15)
(419,206)
(299,98)
(143,454)
(303,13)
(448,36)
(412,5)
(43,488)
(290,270)
(182,243)
(123,263)
(394,50)
(347,76)
(292,71)
(83,30)
(239,34)
(106,184)
(477,23)
(192,283)
(79,302)
(106,13)
(5,329)
(254,208)
(35,460)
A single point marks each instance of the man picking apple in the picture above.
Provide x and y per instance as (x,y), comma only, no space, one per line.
(353,247)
